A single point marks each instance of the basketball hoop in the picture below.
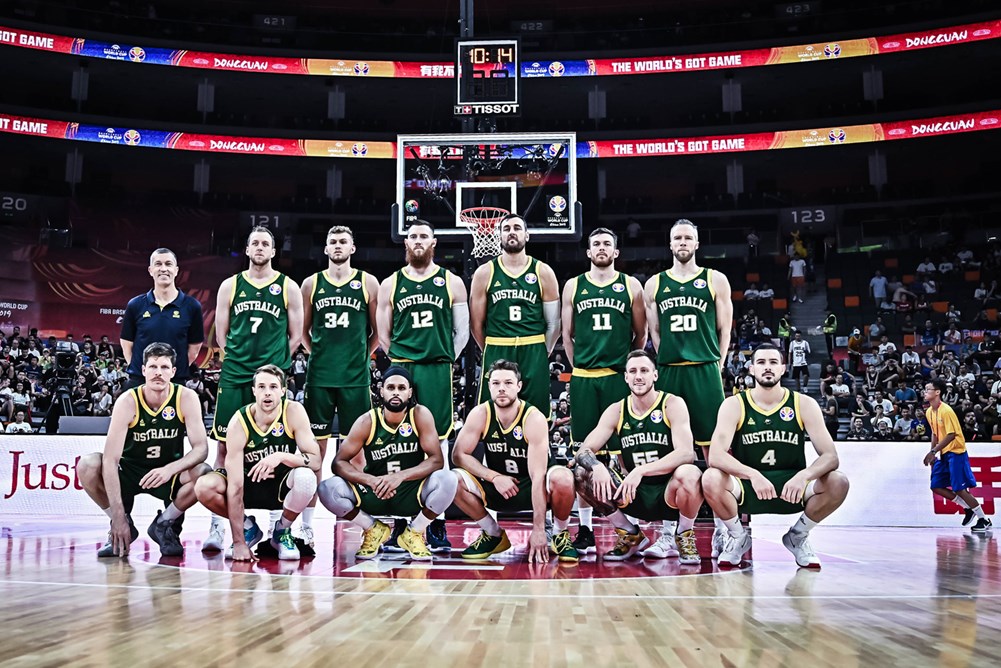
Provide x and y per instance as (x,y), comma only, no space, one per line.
(482,222)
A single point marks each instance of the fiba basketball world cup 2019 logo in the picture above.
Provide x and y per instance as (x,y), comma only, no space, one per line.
(556,69)
(837,136)
(132,137)
(137,54)
(359,150)
(832,50)
(558,206)
(361,69)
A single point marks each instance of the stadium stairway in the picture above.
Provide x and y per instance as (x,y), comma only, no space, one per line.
(808,318)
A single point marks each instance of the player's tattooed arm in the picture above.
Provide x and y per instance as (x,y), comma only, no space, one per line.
(585,457)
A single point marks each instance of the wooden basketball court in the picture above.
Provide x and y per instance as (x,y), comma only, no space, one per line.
(884,597)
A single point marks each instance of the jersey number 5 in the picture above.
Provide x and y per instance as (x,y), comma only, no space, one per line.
(641,458)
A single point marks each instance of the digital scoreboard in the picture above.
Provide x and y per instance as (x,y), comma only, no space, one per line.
(486,77)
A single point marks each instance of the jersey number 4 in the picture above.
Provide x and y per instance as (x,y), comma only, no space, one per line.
(769,458)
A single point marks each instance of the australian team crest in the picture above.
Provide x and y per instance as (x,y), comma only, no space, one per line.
(531,278)
(278,430)
(438,280)
(787,413)
(355,284)
(618,287)
(518,433)
(699,283)
(406,429)
(656,417)
(275,289)
(168,413)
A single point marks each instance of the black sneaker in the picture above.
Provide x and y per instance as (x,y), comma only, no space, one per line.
(107,550)
(584,542)
(163,535)
(392,545)
(983,525)
(968,516)
(437,537)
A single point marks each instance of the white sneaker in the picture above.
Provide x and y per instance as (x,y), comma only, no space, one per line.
(734,550)
(307,535)
(216,539)
(801,549)
(665,547)
(720,537)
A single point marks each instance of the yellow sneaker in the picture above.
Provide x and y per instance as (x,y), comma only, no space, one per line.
(627,545)
(413,542)
(372,540)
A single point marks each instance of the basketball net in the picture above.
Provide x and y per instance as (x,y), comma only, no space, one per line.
(482,223)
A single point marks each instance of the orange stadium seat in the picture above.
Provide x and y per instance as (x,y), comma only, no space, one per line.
(780,304)
(834,282)
(891,263)
(852,301)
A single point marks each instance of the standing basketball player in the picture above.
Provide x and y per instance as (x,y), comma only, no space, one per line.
(144,454)
(258,321)
(689,313)
(339,314)
(423,324)
(403,472)
(515,474)
(271,463)
(650,431)
(766,427)
(515,313)
(603,320)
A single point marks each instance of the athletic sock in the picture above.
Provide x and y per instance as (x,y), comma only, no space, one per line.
(170,513)
(668,527)
(560,525)
(364,520)
(979,512)
(961,503)
(719,523)
(218,520)
(586,516)
(248,521)
(733,526)
(420,523)
(489,524)
(802,525)
(684,524)
(274,516)
(284,523)
(107,511)
(307,516)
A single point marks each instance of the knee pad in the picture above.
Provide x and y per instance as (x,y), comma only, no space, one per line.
(439,491)
(336,496)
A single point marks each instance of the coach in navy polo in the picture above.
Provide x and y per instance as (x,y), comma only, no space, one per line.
(164,315)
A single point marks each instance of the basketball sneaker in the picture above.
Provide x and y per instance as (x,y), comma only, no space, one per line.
(563,547)
(413,542)
(251,534)
(217,537)
(968,516)
(372,540)
(163,535)
(284,543)
(392,545)
(720,536)
(437,537)
(486,545)
(687,549)
(983,525)
(108,549)
(584,542)
(799,545)
(665,547)
(307,536)
(734,550)
(627,545)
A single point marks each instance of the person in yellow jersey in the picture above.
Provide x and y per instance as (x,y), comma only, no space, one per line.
(423,325)
(514,313)
(603,319)
(689,314)
(258,321)
(951,475)
(766,472)
(339,332)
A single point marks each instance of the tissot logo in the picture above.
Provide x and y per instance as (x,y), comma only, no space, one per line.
(468,109)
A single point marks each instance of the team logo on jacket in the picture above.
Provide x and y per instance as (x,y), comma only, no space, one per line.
(787,413)
(517,433)
(278,430)
(438,280)
(168,413)
(699,283)
(531,278)
(656,417)
(355,284)
(406,429)
(275,289)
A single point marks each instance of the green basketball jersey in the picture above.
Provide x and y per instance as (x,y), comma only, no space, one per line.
(687,315)
(155,437)
(514,302)
(391,450)
(339,334)
(258,329)
(422,318)
(602,323)
(773,440)
(506,450)
(278,437)
(643,438)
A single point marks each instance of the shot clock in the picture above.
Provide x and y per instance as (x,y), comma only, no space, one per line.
(486,75)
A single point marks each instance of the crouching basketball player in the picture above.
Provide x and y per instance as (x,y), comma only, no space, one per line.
(403,472)
(144,454)
(767,472)
(651,433)
(271,464)
(519,474)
